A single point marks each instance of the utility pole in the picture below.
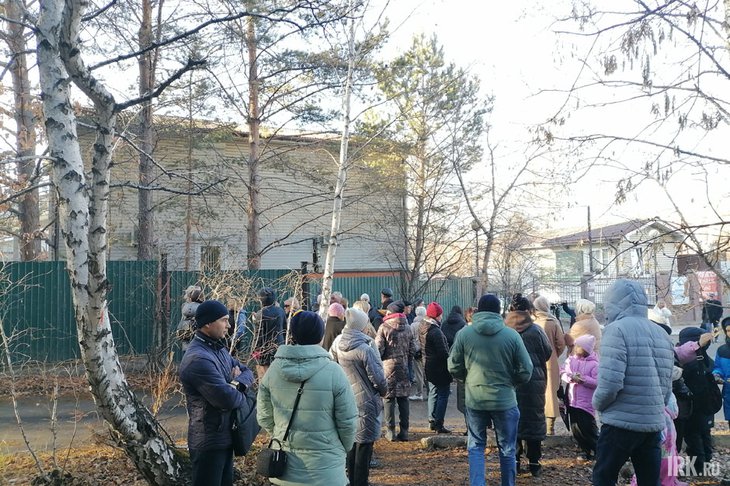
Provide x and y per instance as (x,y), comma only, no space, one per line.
(590,243)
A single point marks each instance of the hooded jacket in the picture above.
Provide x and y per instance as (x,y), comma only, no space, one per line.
(554,332)
(435,352)
(635,372)
(364,370)
(491,360)
(531,395)
(396,347)
(323,429)
(205,373)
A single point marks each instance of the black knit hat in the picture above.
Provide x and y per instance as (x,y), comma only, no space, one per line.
(388,292)
(396,307)
(209,311)
(267,295)
(306,328)
(489,303)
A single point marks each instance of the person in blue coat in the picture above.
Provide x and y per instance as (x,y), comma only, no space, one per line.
(213,382)
(721,370)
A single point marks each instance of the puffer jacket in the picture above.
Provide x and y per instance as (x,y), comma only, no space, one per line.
(205,373)
(364,370)
(581,394)
(635,372)
(323,429)
(531,395)
(396,347)
(435,352)
(491,360)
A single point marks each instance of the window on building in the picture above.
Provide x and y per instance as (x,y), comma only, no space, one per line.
(569,263)
(604,261)
(210,258)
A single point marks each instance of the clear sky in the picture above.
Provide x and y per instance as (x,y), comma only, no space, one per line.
(515,49)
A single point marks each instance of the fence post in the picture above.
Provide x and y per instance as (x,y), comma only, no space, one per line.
(587,289)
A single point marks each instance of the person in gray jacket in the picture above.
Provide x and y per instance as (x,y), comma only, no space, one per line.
(354,351)
(634,385)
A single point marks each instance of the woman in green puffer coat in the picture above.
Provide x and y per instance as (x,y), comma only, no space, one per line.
(323,428)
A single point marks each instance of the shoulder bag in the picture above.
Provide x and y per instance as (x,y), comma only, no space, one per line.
(244,427)
(270,462)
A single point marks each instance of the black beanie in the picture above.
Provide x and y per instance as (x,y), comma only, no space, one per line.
(209,311)
(489,303)
(306,328)
(396,307)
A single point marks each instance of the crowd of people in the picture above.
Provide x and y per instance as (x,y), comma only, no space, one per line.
(357,371)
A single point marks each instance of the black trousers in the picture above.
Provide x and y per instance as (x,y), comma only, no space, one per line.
(698,439)
(358,463)
(212,468)
(615,446)
(584,429)
(530,448)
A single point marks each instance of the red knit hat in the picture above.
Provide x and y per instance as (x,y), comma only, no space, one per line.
(434,310)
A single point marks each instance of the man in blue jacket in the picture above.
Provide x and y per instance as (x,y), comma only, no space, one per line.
(634,385)
(213,383)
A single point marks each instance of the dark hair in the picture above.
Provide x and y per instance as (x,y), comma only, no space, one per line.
(520,303)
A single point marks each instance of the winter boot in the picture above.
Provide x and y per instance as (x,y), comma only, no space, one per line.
(535,469)
(431,425)
(402,435)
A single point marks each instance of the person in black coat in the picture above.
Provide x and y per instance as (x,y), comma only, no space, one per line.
(532,428)
(696,428)
(711,312)
(453,324)
(386,298)
(270,333)
(435,353)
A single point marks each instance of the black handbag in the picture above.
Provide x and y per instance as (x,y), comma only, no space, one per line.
(270,462)
(244,427)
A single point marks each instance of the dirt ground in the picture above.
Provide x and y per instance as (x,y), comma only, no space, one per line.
(96,462)
(401,463)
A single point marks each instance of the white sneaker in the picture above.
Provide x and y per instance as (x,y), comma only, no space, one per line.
(416,398)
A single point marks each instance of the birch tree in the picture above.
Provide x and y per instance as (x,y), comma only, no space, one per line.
(342,164)
(83,206)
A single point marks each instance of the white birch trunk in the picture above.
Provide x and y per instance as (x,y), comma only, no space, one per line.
(329,261)
(83,206)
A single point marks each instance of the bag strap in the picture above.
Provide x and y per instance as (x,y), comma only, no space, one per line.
(294,410)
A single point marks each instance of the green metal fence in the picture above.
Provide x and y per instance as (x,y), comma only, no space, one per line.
(37,311)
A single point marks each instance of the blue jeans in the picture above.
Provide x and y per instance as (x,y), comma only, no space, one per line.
(616,445)
(505,428)
(438,400)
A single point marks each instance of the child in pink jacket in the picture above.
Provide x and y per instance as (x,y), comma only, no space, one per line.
(580,372)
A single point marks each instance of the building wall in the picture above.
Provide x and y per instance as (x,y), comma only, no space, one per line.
(296,194)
